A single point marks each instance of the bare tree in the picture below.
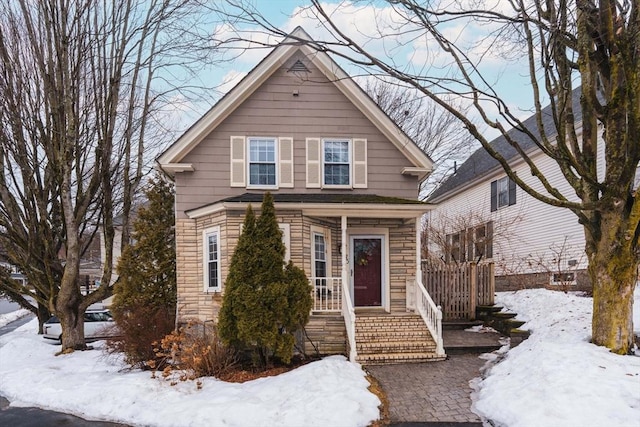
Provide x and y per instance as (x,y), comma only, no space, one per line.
(434,129)
(83,84)
(592,48)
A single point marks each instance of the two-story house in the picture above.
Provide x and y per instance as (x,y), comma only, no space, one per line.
(345,181)
(480,214)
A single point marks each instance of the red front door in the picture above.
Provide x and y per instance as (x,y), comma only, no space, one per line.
(367,271)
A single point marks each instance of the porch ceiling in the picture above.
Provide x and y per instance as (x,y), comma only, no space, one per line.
(321,204)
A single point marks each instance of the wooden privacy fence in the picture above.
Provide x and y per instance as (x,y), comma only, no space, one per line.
(459,288)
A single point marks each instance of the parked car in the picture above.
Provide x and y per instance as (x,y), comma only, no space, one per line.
(98,324)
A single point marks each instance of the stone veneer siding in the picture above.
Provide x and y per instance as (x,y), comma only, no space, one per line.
(194,302)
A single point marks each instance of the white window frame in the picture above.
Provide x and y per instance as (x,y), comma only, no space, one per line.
(272,139)
(205,259)
(500,182)
(326,234)
(349,162)
(286,239)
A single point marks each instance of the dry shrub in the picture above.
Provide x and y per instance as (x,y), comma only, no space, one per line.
(140,328)
(193,351)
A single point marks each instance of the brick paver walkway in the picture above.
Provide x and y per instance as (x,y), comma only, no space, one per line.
(430,392)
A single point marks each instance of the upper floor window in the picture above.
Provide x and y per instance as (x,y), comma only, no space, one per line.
(503,193)
(262,162)
(337,162)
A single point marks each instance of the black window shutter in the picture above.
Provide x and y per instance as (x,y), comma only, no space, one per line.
(470,243)
(494,196)
(512,192)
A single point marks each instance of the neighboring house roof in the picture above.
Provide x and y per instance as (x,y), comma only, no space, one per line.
(481,164)
(170,159)
(363,204)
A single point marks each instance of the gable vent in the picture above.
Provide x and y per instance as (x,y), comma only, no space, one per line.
(298,66)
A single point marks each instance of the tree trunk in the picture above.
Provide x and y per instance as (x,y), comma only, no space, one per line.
(613,273)
(72,324)
(43,315)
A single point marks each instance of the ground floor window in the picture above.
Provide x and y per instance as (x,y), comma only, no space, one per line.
(320,255)
(211,252)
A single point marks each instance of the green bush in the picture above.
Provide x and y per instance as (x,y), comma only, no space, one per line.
(264,302)
(144,303)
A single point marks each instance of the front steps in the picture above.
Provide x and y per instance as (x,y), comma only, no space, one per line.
(393,338)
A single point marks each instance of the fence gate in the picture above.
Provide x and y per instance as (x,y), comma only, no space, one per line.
(459,288)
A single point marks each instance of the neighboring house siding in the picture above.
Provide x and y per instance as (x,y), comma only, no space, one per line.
(320,110)
(527,235)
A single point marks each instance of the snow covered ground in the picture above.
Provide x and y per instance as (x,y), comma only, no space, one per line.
(7,318)
(555,378)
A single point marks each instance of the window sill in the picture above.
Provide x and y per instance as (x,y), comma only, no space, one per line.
(262,187)
(337,187)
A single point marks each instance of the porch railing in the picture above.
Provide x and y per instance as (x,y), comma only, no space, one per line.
(349,315)
(327,294)
(431,314)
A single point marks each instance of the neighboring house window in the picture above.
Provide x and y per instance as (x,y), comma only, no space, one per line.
(211,257)
(262,162)
(480,242)
(503,193)
(456,247)
(472,244)
(337,162)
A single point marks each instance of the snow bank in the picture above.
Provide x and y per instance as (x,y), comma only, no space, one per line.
(556,377)
(330,392)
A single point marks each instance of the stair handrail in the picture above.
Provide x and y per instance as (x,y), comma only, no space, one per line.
(431,314)
(349,314)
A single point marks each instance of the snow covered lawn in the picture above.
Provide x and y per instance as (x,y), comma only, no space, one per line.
(330,392)
(556,377)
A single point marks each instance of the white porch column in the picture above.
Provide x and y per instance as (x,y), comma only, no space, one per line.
(345,267)
(418,249)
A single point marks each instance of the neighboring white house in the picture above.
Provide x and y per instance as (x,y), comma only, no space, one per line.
(481,214)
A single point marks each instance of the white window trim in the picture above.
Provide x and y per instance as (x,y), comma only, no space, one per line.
(286,239)
(276,153)
(326,233)
(506,181)
(350,157)
(205,259)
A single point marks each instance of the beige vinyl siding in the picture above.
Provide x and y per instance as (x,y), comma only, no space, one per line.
(320,110)
(524,233)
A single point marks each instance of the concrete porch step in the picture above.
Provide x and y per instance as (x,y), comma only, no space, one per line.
(401,357)
(397,338)
(382,348)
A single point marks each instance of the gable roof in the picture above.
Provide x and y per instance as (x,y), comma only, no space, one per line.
(481,163)
(170,159)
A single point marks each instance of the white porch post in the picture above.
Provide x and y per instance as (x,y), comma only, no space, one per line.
(345,268)
(418,249)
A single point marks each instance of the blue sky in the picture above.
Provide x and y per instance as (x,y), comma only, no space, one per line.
(508,77)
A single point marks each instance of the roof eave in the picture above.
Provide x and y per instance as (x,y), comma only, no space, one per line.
(360,210)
